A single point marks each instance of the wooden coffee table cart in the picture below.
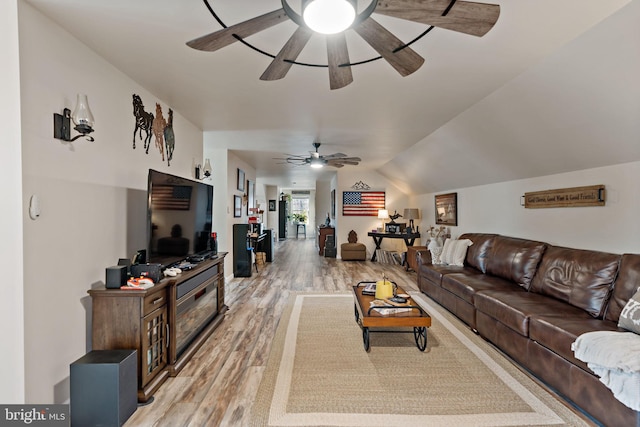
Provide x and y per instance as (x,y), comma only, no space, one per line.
(368,318)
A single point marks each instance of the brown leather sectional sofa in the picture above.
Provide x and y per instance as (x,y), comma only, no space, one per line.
(532,300)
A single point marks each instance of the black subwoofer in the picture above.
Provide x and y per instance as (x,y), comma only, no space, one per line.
(104,388)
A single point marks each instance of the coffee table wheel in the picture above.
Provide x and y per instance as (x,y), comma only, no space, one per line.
(365,339)
(355,309)
(420,334)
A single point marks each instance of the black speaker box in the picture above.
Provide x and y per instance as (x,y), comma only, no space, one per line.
(116,276)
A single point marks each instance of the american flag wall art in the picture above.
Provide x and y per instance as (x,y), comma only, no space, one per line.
(362,203)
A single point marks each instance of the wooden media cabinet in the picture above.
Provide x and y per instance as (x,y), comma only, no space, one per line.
(166,324)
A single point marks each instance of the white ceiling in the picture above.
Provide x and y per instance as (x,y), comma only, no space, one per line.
(378,117)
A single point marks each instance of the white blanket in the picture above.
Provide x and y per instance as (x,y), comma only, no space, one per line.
(615,358)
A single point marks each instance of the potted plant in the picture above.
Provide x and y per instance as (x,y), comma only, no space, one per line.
(299,218)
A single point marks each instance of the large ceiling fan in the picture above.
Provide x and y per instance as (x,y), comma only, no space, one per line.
(462,16)
(316,160)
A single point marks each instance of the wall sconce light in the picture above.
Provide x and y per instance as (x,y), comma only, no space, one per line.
(204,171)
(82,118)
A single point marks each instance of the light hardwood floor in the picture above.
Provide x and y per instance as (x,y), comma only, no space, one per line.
(218,386)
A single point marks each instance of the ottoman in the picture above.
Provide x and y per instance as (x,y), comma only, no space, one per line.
(353,252)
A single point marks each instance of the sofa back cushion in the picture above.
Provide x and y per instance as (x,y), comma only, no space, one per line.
(625,286)
(478,253)
(514,259)
(579,277)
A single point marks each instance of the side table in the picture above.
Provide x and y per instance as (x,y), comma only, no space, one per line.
(409,239)
(321,236)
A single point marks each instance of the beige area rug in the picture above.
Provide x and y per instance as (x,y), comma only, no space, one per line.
(318,374)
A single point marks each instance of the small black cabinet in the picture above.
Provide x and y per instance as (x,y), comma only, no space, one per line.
(267,245)
(282,219)
(241,251)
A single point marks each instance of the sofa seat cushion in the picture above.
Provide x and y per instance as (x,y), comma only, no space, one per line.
(515,259)
(558,331)
(579,277)
(465,286)
(435,272)
(514,309)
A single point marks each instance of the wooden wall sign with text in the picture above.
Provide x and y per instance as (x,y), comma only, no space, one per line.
(592,195)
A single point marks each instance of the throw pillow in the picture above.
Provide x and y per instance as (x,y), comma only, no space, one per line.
(435,247)
(630,316)
(455,251)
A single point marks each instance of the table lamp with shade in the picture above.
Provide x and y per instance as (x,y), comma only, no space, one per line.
(382,214)
(411,214)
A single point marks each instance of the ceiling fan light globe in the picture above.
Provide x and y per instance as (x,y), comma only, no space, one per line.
(317,163)
(329,16)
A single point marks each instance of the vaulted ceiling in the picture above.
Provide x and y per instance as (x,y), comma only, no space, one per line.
(395,124)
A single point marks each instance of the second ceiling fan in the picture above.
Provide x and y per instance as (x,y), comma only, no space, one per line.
(461,16)
(316,160)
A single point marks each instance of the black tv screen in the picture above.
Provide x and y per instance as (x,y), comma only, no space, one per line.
(179,217)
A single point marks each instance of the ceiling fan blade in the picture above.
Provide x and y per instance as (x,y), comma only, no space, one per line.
(338,54)
(465,17)
(335,165)
(219,39)
(344,162)
(347,161)
(289,156)
(279,67)
(335,156)
(405,61)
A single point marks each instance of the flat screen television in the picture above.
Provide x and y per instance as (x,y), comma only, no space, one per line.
(179,217)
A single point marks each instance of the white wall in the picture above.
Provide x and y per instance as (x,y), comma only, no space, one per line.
(234,163)
(221,195)
(577,109)
(12,388)
(271,218)
(495,208)
(394,199)
(323,201)
(84,189)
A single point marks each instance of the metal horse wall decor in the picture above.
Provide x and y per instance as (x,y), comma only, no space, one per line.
(156,126)
(144,122)
(169,137)
(159,123)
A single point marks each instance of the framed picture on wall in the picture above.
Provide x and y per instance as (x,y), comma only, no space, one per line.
(237,206)
(240,185)
(272,205)
(447,209)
